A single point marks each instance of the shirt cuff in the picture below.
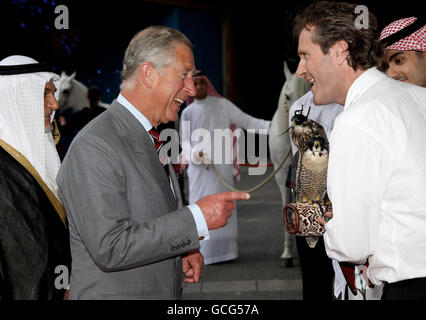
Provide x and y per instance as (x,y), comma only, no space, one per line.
(200,222)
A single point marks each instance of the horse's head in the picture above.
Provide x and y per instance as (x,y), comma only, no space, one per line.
(65,89)
(294,87)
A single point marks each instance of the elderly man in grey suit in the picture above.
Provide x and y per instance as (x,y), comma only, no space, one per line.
(129,239)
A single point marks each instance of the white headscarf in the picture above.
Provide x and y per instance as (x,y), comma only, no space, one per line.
(22,118)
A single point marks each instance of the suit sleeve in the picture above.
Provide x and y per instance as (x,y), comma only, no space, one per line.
(94,192)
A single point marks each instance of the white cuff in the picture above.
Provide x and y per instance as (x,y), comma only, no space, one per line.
(200,222)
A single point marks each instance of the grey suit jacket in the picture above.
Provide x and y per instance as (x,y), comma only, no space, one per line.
(126,232)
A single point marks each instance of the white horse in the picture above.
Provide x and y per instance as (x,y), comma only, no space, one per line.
(73,93)
(279,144)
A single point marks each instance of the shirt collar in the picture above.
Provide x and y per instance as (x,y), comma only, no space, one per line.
(366,80)
(136,113)
(202,100)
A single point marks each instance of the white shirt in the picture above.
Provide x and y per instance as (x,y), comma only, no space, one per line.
(324,114)
(377,179)
(200,222)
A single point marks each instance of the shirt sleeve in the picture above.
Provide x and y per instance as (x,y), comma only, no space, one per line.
(245,121)
(200,222)
(355,178)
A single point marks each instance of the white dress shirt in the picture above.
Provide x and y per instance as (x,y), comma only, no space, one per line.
(377,179)
(200,222)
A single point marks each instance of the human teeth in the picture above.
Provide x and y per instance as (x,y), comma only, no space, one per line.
(312,81)
(180,101)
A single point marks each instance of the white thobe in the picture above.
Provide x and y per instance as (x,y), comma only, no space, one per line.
(377,179)
(209,114)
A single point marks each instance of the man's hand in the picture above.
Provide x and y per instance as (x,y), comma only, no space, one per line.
(192,266)
(217,208)
(328,214)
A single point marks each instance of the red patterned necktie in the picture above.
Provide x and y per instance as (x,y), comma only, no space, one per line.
(158,143)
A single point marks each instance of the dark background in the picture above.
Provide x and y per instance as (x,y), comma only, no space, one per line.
(241,45)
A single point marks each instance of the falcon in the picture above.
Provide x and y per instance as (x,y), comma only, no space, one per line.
(310,176)
(302,129)
(310,171)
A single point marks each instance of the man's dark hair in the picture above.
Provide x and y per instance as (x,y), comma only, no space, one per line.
(335,21)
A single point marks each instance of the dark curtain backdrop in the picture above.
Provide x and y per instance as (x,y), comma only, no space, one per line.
(241,45)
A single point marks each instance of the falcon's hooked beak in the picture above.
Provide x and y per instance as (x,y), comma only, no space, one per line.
(317,145)
(317,148)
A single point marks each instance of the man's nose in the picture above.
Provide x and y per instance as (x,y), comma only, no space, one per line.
(53,104)
(392,72)
(301,69)
(190,87)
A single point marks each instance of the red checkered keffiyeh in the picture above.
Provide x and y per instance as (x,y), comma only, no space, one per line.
(414,41)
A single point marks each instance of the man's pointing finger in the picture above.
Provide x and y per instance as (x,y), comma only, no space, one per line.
(234,195)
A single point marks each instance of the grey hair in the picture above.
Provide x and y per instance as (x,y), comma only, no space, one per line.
(154,44)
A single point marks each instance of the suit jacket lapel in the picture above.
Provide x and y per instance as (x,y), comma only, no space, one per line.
(176,186)
(144,150)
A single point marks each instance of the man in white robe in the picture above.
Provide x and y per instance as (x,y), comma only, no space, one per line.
(210,111)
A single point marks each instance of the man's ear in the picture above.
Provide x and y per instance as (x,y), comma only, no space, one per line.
(147,74)
(340,50)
